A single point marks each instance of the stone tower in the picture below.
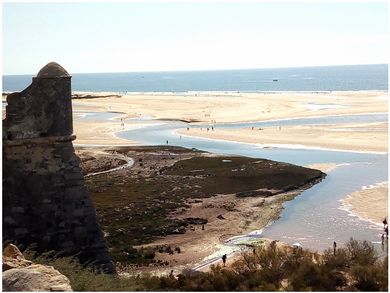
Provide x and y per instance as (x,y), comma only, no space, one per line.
(45,201)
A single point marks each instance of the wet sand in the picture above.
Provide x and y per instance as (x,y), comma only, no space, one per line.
(241,216)
(242,107)
(227,214)
(237,107)
(369,137)
(325,167)
(98,133)
(370,203)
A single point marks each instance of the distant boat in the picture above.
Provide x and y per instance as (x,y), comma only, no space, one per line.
(274,80)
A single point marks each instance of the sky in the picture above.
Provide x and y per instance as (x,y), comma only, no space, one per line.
(167,36)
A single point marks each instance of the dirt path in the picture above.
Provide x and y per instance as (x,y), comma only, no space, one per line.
(129,164)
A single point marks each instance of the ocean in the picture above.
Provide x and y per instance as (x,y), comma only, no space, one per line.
(324,78)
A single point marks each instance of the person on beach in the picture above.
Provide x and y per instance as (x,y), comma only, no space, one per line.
(224,257)
(167,141)
(383,239)
(334,247)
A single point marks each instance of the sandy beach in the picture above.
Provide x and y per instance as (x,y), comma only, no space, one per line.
(325,167)
(97,133)
(370,203)
(241,107)
(237,107)
(218,107)
(357,137)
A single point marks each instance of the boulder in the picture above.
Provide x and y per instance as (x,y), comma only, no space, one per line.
(221,217)
(12,263)
(35,278)
(13,258)
(12,251)
(20,274)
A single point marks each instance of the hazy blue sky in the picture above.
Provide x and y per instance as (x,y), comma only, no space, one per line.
(113,37)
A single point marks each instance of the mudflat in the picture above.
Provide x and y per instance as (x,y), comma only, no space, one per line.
(174,206)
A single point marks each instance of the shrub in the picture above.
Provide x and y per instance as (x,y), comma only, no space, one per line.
(371,277)
(360,252)
(267,268)
(366,278)
(340,260)
(84,278)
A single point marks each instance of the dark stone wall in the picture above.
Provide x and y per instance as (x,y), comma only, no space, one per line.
(45,201)
(43,109)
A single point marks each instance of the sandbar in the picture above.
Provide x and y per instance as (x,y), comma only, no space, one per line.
(97,133)
(353,137)
(238,107)
(370,203)
(241,107)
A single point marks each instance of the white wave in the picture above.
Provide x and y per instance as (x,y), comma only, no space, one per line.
(371,186)
(280,146)
(304,147)
(344,206)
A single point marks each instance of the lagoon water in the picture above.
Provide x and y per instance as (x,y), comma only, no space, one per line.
(336,119)
(314,218)
(322,78)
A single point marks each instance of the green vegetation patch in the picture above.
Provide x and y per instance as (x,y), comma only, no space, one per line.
(134,205)
(354,267)
(239,174)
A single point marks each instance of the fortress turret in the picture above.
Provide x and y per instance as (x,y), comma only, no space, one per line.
(45,201)
(43,109)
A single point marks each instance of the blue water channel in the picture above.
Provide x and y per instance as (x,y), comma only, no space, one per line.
(336,119)
(314,218)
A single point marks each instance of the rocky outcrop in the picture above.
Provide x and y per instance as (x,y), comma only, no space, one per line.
(20,274)
(35,278)
(45,201)
(13,258)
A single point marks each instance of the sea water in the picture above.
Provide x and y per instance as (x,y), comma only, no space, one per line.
(323,78)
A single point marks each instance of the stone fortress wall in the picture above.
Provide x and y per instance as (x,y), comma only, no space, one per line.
(45,200)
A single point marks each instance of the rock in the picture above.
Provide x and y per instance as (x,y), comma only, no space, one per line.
(195,221)
(11,263)
(13,258)
(179,230)
(220,217)
(35,278)
(20,274)
(12,251)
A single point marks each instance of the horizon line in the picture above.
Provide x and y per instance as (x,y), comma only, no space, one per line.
(202,70)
